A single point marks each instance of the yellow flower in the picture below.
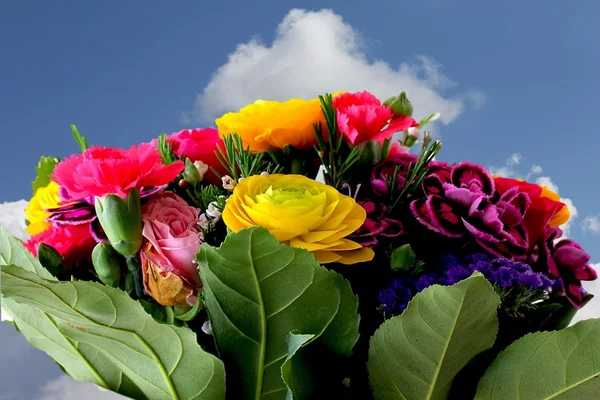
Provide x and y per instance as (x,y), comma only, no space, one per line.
(300,212)
(44,198)
(265,125)
(560,217)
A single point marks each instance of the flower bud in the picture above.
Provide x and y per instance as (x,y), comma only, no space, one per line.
(52,260)
(191,173)
(410,140)
(107,264)
(121,220)
(403,259)
(370,152)
(400,105)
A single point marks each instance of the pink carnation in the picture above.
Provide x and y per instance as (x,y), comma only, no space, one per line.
(74,242)
(100,171)
(361,116)
(199,145)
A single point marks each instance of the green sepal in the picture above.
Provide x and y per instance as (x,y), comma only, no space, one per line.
(121,220)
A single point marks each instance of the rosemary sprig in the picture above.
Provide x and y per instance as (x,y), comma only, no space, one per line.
(240,162)
(334,157)
(166,151)
(79,138)
(415,172)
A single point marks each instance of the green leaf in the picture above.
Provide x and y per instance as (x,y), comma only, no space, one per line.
(188,313)
(42,332)
(417,354)
(342,333)
(293,371)
(256,292)
(12,252)
(81,140)
(163,361)
(547,365)
(44,169)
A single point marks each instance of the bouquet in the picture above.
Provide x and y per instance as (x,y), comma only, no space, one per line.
(303,249)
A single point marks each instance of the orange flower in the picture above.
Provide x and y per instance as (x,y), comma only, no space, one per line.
(272,125)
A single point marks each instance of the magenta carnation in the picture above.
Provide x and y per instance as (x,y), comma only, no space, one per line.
(100,171)
(565,259)
(462,204)
(377,226)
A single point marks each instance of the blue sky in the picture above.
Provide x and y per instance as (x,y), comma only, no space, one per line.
(512,77)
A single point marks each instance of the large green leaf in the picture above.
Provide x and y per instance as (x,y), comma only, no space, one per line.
(108,329)
(562,365)
(12,252)
(257,291)
(42,332)
(417,354)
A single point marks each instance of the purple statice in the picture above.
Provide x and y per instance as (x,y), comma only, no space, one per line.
(515,281)
(395,298)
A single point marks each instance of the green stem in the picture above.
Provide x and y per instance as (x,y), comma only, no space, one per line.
(170,315)
(296,166)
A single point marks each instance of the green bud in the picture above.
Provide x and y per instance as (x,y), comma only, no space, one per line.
(190,173)
(370,152)
(410,140)
(107,264)
(400,105)
(121,220)
(52,260)
(403,259)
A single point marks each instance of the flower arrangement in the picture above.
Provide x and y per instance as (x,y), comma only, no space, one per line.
(214,263)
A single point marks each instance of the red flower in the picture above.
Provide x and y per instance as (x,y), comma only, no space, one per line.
(74,242)
(541,210)
(199,145)
(100,171)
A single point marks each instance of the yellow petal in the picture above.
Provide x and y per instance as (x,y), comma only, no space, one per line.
(356,256)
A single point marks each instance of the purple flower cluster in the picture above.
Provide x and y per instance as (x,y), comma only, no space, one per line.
(451,269)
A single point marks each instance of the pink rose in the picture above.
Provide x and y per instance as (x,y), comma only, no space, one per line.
(173,239)
(199,145)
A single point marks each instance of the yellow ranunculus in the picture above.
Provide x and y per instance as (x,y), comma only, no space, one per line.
(265,125)
(300,212)
(560,217)
(44,198)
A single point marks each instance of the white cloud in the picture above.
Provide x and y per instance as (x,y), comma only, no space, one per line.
(591,223)
(534,170)
(591,309)
(508,169)
(317,52)
(12,218)
(67,388)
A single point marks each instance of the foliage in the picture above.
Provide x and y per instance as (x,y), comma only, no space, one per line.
(547,365)
(417,354)
(282,290)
